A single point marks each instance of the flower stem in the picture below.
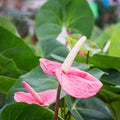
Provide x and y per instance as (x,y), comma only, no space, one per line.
(57,102)
(87,59)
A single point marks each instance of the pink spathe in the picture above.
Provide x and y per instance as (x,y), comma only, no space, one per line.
(49,66)
(44,98)
(74,82)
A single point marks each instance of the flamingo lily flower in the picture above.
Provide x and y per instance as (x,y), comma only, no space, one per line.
(73,81)
(44,98)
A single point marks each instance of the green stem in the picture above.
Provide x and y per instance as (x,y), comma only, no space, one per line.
(87,59)
(113,111)
(57,102)
(63,107)
(67,116)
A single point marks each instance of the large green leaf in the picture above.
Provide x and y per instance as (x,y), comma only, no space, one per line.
(14,48)
(23,111)
(114,49)
(102,61)
(112,100)
(8,67)
(104,37)
(88,109)
(112,77)
(48,47)
(105,61)
(116,109)
(6,83)
(8,25)
(107,94)
(72,14)
(96,72)
(2,99)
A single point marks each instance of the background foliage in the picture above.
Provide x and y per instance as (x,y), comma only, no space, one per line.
(18,62)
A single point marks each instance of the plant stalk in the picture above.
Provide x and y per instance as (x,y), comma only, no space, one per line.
(57,102)
(87,59)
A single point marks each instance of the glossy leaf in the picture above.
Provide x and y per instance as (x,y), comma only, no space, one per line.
(102,61)
(8,25)
(2,99)
(6,83)
(114,49)
(50,46)
(8,67)
(88,109)
(23,111)
(112,76)
(72,14)
(107,95)
(14,48)
(105,61)
(96,72)
(115,107)
(105,36)
(95,33)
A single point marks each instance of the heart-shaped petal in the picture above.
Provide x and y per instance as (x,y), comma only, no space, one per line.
(49,66)
(47,97)
(77,83)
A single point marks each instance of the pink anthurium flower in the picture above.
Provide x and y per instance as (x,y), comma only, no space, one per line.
(44,98)
(73,81)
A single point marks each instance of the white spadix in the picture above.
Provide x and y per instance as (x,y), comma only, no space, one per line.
(71,56)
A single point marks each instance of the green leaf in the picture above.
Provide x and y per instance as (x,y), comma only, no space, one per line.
(116,109)
(112,100)
(48,47)
(88,109)
(8,67)
(6,83)
(114,49)
(23,111)
(96,72)
(112,77)
(95,33)
(105,61)
(8,25)
(111,82)
(75,15)
(2,99)
(81,66)
(14,48)
(107,95)
(105,36)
